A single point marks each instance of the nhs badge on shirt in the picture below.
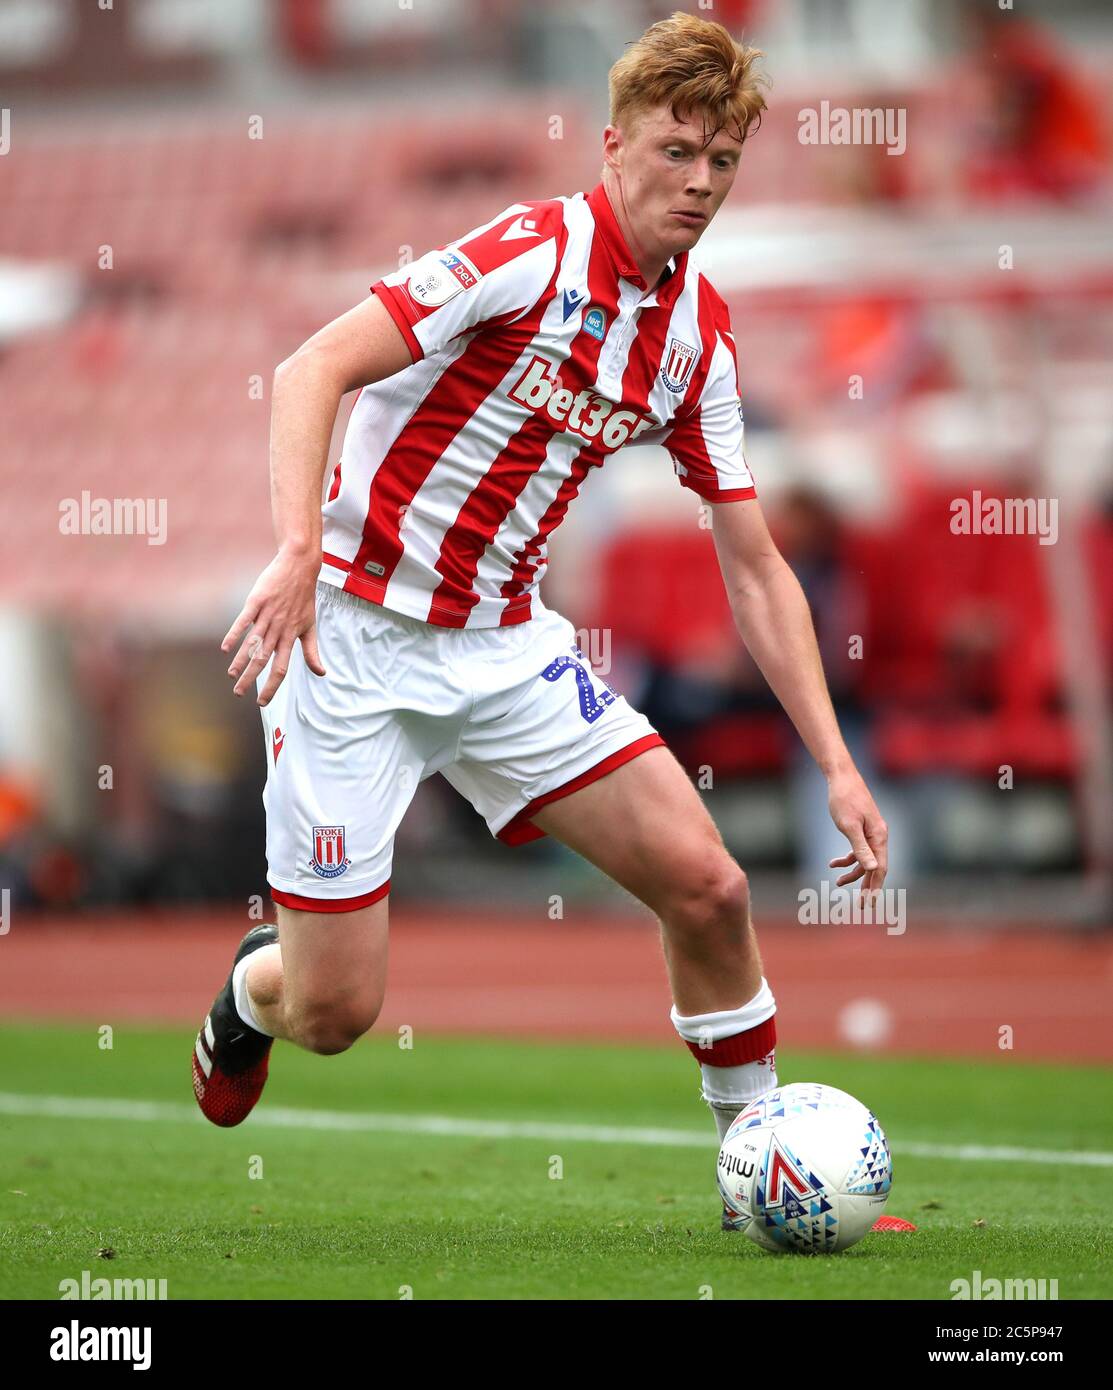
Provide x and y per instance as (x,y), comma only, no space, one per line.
(439,277)
(595,323)
(679,361)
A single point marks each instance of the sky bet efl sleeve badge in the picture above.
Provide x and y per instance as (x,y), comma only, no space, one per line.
(329,859)
(440,276)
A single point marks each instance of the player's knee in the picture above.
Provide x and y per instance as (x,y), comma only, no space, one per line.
(328,1028)
(715,899)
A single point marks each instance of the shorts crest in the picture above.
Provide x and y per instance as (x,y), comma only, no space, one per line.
(329,859)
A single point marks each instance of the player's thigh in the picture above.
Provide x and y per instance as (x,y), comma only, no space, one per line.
(345,754)
(645,826)
(335,960)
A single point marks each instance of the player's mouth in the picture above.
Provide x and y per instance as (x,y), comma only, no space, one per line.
(690,219)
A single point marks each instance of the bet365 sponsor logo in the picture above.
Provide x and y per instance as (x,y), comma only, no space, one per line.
(585,413)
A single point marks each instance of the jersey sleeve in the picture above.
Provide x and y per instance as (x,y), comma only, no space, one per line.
(490,276)
(708,445)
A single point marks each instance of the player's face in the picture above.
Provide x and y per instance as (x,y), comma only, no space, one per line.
(667,173)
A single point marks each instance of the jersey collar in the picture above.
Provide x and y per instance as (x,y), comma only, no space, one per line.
(621,255)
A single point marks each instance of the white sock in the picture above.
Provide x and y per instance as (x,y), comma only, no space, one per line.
(243,998)
(704,1029)
(729,1089)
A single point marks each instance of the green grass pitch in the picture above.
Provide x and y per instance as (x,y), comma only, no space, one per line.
(374,1213)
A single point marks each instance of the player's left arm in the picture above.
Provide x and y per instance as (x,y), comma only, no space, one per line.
(775,622)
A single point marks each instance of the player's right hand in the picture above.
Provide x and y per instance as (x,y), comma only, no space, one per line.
(280,610)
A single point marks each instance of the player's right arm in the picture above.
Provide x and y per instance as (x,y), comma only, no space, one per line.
(360,347)
(488,277)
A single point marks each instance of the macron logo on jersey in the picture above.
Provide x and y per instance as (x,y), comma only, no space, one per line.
(587,414)
(572,298)
(521,227)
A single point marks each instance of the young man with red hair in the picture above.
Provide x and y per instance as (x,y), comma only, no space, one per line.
(399,630)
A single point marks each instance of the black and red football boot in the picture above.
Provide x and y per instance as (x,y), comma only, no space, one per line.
(230,1059)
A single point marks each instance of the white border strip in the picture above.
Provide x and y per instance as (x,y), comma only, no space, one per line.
(446,1126)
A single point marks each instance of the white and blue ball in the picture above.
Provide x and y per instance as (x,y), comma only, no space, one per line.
(806,1168)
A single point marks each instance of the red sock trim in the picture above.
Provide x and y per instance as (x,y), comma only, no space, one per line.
(749,1046)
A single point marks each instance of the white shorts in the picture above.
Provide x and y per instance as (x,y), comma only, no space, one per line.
(513,717)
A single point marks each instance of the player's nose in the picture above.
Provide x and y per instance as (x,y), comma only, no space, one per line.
(699,177)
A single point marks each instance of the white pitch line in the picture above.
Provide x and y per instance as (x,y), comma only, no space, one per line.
(449,1127)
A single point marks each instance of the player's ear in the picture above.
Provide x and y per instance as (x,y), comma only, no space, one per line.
(612,147)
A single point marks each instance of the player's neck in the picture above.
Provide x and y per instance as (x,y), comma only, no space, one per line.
(652,268)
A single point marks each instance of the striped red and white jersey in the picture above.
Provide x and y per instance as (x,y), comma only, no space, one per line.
(538,351)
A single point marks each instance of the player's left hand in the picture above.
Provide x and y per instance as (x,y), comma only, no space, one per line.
(854,812)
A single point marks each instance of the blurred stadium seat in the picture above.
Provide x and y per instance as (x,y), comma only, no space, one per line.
(227,251)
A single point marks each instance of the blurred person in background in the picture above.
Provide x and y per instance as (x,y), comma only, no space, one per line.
(1040,129)
(39,866)
(19,812)
(812,537)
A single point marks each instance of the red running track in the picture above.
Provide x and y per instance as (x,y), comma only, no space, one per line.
(938,990)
